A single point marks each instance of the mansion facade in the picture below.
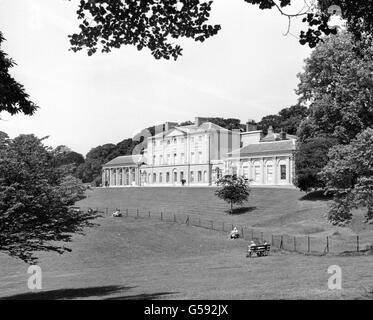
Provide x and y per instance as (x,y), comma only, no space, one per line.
(200,153)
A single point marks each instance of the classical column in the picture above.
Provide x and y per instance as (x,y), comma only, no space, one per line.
(275,173)
(263,171)
(288,170)
(130,176)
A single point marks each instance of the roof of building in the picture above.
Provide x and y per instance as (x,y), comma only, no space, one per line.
(193,128)
(263,147)
(131,160)
(276,137)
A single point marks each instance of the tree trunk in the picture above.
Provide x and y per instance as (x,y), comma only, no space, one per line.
(231,207)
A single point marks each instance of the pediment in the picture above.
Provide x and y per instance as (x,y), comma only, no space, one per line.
(175,133)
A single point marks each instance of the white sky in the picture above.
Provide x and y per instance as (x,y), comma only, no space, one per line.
(247,71)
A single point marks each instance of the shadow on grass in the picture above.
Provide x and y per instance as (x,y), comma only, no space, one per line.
(68,293)
(317,196)
(242,210)
(143,296)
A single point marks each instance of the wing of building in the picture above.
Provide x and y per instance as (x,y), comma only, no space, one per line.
(200,153)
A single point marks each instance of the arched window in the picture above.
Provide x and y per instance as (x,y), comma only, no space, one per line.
(270,172)
(175,176)
(257,172)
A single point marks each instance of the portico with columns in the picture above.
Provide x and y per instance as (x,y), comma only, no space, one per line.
(122,171)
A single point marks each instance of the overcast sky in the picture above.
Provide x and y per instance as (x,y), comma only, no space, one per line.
(247,71)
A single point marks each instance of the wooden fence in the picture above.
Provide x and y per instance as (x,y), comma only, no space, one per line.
(303,244)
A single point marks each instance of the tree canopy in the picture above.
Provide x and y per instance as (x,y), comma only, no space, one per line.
(155,24)
(233,189)
(13,98)
(151,24)
(310,158)
(349,175)
(35,196)
(337,84)
(288,119)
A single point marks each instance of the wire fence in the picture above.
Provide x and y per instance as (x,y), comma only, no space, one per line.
(314,245)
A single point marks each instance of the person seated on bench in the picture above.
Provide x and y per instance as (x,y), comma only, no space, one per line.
(250,248)
(117,213)
(234,234)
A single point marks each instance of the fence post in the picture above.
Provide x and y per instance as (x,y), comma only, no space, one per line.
(295,244)
(187,221)
(327,244)
(357,243)
(261,237)
(309,243)
(149,213)
(282,242)
(272,242)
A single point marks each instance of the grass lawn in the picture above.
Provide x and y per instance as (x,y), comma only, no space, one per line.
(278,211)
(127,258)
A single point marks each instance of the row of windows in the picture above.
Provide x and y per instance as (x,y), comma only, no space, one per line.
(175,140)
(194,157)
(269,173)
(195,176)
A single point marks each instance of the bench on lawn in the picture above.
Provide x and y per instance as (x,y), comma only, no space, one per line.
(260,250)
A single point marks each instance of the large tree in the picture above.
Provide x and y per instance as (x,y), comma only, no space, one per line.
(310,158)
(35,196)
(349,175)
(337,84)
(155,24)
(13,98)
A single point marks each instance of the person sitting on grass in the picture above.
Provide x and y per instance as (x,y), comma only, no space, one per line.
(250,249)
(117,213)
(234,234)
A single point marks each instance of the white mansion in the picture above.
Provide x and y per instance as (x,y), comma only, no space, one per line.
(199,154)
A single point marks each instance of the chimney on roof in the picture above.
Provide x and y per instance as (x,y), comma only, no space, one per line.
(169,126)
(198,121)
(270,130)
(283,135)
(251,125)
